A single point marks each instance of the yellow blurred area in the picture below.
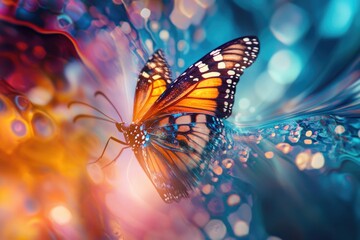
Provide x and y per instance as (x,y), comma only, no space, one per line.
(44,188)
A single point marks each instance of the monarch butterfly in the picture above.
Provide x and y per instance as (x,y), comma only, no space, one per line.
(177,125)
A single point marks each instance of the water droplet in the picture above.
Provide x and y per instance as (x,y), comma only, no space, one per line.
(64,20)
(207,189)
(308,133)
(164,35)
(228,162)
(18,127)
(233,199)
(317,160)
(42,125)
(269,155)
(241,228)
(145,13)
(289,23)
(284,147)
(339,129)
(217,170)
(289,70)
(215,229)
(302,160)
(21,102)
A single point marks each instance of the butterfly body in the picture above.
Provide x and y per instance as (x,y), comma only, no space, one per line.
(134,134)
(177,124)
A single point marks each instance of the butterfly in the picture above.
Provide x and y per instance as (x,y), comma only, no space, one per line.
(178,124)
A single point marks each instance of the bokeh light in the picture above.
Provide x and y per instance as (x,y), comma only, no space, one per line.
(284,66)
(291,148)
(289,23)
(338,17)
(60,214)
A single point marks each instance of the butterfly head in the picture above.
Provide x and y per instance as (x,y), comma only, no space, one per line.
(121,127)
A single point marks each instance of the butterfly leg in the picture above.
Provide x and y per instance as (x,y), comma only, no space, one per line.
(117,156)
(106,145)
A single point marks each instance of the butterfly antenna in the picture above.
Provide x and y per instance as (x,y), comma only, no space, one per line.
(92,107)
(91,116)
(109,101)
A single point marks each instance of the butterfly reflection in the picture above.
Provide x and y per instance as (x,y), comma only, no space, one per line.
(177,125)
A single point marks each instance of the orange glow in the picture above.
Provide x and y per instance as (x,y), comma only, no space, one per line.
(207,189)
(269,155)
(218,170)
(303,160)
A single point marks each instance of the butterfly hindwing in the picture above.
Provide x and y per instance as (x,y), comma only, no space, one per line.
(209,85)
(152,82)
(179,151)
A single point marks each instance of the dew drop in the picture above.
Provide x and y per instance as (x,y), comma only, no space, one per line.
(18,127)
(21,102)
(215,229)
(42,125)
(64,21)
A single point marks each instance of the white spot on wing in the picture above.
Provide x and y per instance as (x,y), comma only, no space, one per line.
(231,72)
(211,74)
(204,68)
(157,76)
(198,63)
(145,74)
(218,58)
(159,69)
(221,65)
(215,52)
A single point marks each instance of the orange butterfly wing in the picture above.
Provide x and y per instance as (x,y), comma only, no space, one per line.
(182,118)
(152,82)
(209,85)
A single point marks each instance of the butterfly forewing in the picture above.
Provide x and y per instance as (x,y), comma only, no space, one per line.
(152,82)
(209,85)
(179,150)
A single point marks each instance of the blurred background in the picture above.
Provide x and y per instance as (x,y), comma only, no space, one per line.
(54,52)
